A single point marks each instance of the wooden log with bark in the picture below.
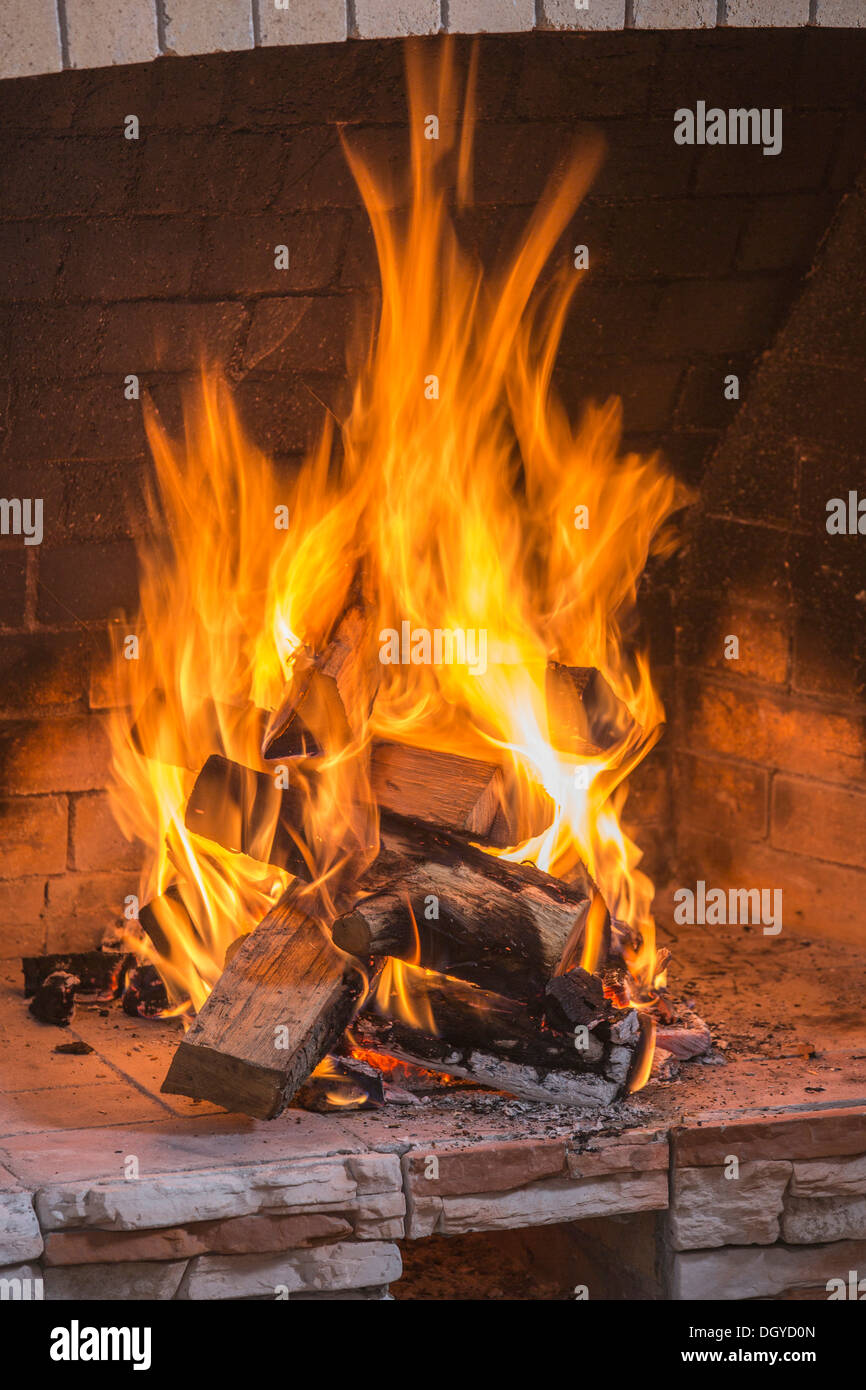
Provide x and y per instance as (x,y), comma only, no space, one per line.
(452,907)
(329,694)
(282,1002)
(485,1038)
(573,999)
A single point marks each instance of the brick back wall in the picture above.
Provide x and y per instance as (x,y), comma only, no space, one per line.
(770,772)
(128,256)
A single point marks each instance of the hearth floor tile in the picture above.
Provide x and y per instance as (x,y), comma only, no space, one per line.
(140,1049)
(28,1061)
(95,1104)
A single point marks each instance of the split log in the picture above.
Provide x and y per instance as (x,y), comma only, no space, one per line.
(451,907)
(492,1041)
(584,716)
(280,1005)
(244,811)
(453,791)
(330,695)
(438,788)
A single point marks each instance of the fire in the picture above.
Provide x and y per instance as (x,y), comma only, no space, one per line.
(451,491)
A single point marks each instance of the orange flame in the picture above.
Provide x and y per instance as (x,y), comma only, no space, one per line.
(453,494)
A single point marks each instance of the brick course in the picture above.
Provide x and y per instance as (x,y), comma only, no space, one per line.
(96,841)
(380,19)
(207,26)
(674,14)
(316,21)
(598,14)
(490,16)
(100,34)
(767,13)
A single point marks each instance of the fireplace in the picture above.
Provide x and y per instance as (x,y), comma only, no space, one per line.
(533,1076)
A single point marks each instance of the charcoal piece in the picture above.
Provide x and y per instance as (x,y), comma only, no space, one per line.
(144,995)
(54,1000)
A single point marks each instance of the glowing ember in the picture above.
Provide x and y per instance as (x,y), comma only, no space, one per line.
(463,502)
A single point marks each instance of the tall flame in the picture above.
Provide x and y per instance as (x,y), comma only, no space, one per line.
(452,487)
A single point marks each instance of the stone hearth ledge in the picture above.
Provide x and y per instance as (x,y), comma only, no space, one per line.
(289,1224)
(196,1181)
(20,1236)
(303,1207)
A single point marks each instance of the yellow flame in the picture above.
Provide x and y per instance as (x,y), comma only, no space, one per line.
(451,499)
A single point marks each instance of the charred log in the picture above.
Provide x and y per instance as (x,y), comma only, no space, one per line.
(54,999)
(485,1038)
(97,971)
(573,999)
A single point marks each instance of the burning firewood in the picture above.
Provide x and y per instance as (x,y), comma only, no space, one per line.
(449,906)
(450,790)
(329,695)
(485,1038)
(280,1005)
(513,914)
(500,924)
(572,999)
(439,788)
(243,810)
(584,715)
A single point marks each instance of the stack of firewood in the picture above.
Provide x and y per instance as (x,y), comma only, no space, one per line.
(499,943)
